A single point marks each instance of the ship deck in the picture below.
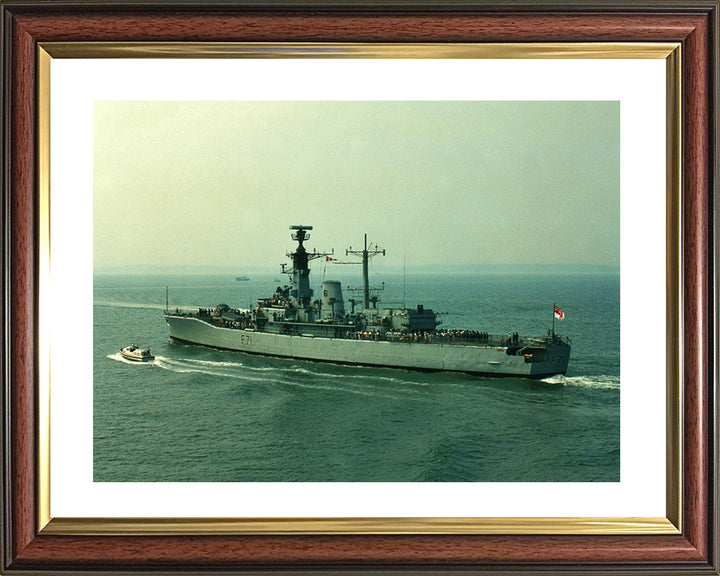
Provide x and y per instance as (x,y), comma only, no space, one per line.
(460,337)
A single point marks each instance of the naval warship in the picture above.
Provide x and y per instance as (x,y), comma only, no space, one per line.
(292,324)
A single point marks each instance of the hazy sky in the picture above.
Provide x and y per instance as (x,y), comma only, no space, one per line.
(452,183)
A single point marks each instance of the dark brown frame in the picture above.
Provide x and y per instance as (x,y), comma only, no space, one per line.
(694,24)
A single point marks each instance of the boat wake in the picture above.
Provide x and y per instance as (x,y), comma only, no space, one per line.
(606,382)
(292,375)
(212,367)
(213,364)
(190,366)
(350,381)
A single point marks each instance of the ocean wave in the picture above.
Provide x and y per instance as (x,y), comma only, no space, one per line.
(603,381)
(355,376)
(357,390)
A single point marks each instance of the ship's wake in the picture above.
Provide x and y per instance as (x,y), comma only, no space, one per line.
(602,381)
(293,375)
(367,382)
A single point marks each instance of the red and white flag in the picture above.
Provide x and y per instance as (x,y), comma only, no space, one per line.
(559,313)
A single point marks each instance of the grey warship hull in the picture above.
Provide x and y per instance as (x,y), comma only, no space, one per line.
(538,360)
(292,324)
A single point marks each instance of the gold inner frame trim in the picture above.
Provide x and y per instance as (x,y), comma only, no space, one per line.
(674,311)
(556,50)
(44,363)
(287,526)
(436,525)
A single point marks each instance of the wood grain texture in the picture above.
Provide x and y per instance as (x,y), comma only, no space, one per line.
(358,28)
(689,552)
(696,208)
(22,292)
(218,552)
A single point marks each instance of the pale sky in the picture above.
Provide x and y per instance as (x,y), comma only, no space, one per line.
(438,183)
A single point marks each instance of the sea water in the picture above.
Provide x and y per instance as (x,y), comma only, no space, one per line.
(204,415)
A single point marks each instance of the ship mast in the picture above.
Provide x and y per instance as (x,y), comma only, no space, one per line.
(300,258)
(366,254)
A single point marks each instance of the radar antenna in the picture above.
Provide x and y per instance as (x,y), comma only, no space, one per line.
(366,254)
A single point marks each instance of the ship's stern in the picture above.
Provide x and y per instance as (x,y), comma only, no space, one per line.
(552,360)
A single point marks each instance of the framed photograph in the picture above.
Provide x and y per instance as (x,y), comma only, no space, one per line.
(490,343)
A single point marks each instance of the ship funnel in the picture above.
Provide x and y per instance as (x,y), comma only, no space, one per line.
(333,306)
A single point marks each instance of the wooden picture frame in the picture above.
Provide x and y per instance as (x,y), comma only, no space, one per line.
(29,547)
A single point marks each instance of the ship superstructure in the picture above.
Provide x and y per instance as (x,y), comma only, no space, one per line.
(293,323)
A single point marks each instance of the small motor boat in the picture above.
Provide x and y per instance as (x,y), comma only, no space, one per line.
(136,354)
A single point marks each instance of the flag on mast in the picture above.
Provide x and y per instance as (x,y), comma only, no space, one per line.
(559,313)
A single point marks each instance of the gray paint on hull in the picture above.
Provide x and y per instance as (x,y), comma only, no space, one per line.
(414,356)
(493,361)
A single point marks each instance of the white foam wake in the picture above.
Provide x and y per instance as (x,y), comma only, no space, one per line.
(266,375)
(602,381)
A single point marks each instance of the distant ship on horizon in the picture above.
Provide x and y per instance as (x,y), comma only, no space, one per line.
(292,324)
(242,278)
